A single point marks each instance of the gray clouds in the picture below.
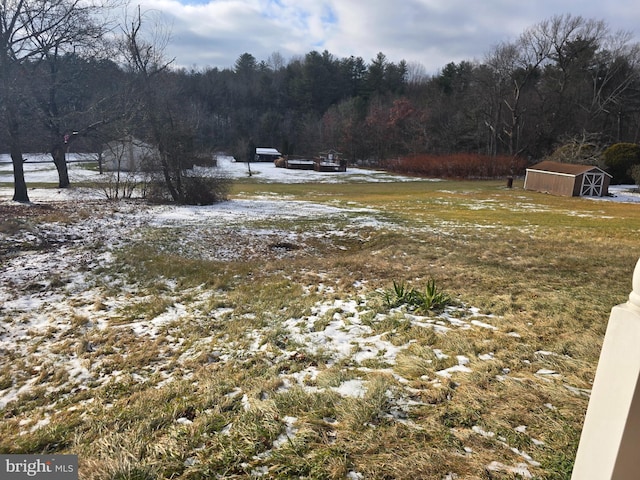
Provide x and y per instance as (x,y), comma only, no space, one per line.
(429,32)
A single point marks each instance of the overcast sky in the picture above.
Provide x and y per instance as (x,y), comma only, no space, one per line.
(215,33)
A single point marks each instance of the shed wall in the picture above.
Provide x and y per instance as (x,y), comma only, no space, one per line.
(551,183)
(127,156)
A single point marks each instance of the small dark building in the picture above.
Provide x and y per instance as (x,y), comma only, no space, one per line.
(267,154)
(567,179)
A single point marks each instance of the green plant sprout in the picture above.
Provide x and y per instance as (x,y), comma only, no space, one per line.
(420,301)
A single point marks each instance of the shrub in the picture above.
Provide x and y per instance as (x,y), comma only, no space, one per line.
(122,184)
(205,190)
(460,165)
(620,158)
(196,188)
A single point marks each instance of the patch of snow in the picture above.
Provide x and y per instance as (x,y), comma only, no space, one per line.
(478,323)
(245,402)
(234,393)
(578,391)
(308,375)
(260,471)
(267,172)
(352,388)
(439,355)
(526,456)
(520,469)
(462,360)
(621,193)
(447,372)
(42,423)
(191,461)
(289,433)
(546,371)
(482,432)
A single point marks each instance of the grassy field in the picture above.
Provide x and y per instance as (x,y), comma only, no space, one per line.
(251,380)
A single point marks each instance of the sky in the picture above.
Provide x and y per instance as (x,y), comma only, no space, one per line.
(427,34)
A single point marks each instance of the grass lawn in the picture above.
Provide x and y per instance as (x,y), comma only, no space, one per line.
(264,347)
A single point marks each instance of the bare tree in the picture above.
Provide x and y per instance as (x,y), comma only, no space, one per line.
(515,66)
(584,148)
(416,73)
(276,61)
(145,59)
(589,71)
(30,32)
(165,115)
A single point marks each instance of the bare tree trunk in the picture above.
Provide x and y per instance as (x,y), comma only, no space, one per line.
(19,185)
(59,154)
(13,126)
(174,191)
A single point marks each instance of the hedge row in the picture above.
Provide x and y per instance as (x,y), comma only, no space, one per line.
(460,165)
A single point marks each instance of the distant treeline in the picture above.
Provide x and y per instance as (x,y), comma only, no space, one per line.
(562,78)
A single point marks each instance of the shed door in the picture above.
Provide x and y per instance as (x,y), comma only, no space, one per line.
(592,184)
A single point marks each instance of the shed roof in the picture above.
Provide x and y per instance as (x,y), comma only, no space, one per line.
(570,169)
(267,151)
(126,141)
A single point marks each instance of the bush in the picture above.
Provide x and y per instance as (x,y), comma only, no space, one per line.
(619,159)
(195,189)
(117,185)
(460,165)
(204,190)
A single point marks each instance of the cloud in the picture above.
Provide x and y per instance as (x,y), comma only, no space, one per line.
(430,32)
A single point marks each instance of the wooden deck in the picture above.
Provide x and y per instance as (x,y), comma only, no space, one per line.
(320,164)
(300,164)
(330,166)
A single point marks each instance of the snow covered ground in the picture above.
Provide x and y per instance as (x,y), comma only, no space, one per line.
(39,169)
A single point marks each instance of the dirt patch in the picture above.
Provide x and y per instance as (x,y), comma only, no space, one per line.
(284,246)
(15,210)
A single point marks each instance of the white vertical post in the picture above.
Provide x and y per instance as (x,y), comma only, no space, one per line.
(610,442)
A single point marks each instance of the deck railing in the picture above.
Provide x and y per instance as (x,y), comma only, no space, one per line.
(610,442)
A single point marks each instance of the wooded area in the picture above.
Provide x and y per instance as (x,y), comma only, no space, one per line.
(564,80)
